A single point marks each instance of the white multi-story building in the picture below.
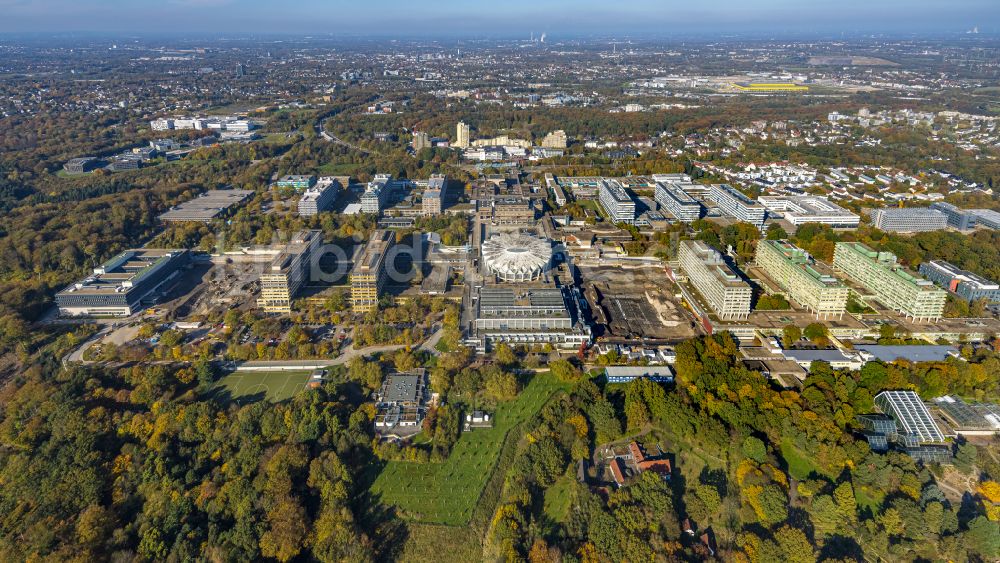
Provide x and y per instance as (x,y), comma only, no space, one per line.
(799,210)
(678,203)
(376,194)
(736,204)
(162,124)
(908,220)
(319,197)
(722,288)
(617,202)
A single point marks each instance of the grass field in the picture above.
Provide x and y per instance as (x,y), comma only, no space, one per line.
(447,492)
(442,544)
(248,386)
(559,497)
(338,169)
(799,466)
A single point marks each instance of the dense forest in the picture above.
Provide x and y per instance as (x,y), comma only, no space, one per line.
(144,462)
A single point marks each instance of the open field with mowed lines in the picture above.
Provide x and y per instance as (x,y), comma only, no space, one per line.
(447,492)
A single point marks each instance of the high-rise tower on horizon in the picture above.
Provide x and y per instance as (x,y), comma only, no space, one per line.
(462,135)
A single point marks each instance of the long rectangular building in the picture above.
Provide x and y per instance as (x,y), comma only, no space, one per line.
(961,219)
(908,220)
(987,218)
(723,289)
(893,286)
(369,273)
(287,272)
(736,204)
(804,279)
(617,202)
(118,287)
(965,284)
(526,314)
(297,181)
(679,204)
(207,206)
(799,210)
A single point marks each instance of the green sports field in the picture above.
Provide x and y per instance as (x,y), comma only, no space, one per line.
(275,386)
(447,492)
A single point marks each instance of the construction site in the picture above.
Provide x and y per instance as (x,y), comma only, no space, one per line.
(631,307)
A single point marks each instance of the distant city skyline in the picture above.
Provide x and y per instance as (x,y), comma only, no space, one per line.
(465,18)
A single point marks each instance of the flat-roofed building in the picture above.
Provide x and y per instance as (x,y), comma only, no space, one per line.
(965,284)
(402,401)
(82,165)
(893,286)
(678,203)
(433,200)
(297,181)
(207,206)
(370,271)
(626,374)
(723,289)
(504,202)
(287,272)
(526,314)
(807,281)
(683,181)
(617,202)
(583,187)
(961,219)
(908,220)
(118,287)
(799,210)
(736,204)
(559,195)
(987,218)
(319,197)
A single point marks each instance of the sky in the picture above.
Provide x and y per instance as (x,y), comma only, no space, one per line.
(501,18)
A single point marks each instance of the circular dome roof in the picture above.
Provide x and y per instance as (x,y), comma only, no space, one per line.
(516,257)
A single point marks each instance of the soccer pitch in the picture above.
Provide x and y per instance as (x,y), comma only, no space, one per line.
(275,386)
(447,492)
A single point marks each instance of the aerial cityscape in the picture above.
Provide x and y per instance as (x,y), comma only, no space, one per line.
(556,282)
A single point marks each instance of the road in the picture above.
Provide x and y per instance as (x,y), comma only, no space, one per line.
(321,131)
(430,343)
(77,355)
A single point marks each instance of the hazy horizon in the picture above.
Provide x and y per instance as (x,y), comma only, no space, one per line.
(515,18)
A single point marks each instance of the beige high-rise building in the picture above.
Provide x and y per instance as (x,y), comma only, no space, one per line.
(369,273)
(462,135)
(808,282)
(555,140)
(287,272)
